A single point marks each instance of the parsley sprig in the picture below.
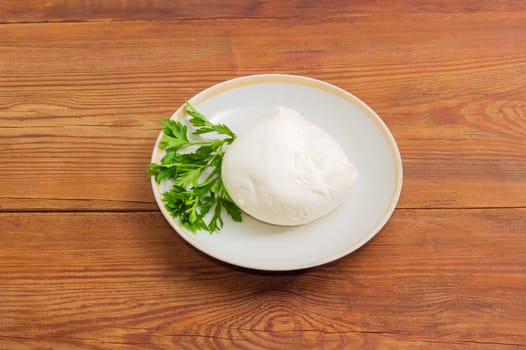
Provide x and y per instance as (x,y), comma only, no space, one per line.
(195,167)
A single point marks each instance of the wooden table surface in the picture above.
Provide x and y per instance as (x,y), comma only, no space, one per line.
(88,262)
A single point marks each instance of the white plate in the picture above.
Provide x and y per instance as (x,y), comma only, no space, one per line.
(364,137)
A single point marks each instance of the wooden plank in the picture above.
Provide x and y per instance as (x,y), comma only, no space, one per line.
(77,135)
(431,278)
(14,11)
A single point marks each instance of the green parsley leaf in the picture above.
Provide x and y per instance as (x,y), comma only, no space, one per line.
(195,167)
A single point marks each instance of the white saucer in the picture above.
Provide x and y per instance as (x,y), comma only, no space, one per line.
(366,140)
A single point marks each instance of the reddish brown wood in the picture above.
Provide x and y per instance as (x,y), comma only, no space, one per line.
(430,278)
(88,262)
(89,96)
(14,11)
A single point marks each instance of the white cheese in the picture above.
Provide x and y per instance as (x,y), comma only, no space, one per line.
(285,170)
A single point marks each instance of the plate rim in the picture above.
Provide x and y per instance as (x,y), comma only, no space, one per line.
(220,87)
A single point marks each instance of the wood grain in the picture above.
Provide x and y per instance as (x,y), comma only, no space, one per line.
(14,11)
(80,102)
(99,280)
(88,262)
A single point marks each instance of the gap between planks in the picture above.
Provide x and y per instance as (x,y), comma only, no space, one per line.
(154,210)
(189,19)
